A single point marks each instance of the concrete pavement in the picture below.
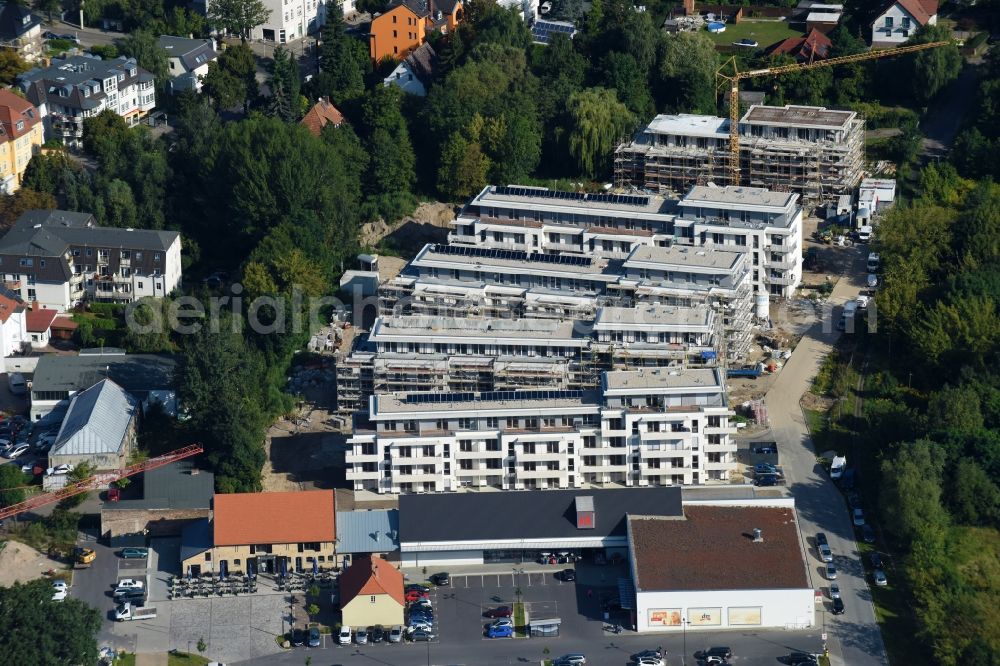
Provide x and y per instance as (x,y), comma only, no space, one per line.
(854,638)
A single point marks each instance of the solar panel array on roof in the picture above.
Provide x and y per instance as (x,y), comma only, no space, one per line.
(542,31)
(490,396)
(511,255)
(624,199)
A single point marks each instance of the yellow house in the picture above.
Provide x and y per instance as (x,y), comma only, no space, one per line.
(22,137)
(371,592)
(263,533)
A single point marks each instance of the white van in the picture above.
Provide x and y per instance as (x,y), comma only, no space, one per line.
(864,233)
(18,386)
(850,310)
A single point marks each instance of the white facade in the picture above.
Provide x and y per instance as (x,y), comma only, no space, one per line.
(13,333)
(292,19)
(404,78)
(726,609)
(646,428)
(896,25)
(527,8)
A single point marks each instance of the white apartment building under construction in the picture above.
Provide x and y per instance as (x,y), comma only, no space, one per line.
(815,152)
(644,427)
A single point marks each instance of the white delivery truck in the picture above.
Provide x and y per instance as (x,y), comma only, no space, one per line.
(126,612)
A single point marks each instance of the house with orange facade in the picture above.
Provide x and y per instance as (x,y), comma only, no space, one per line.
(404,26)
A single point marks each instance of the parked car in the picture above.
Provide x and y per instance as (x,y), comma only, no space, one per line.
(766,480)
(825,553)
(831,572)
(867,533)
(574,659)
(344,637)
(746,42)
(876,560)
(838,606)
(859,517)
(765,468)
(361,636)
(134,553)
(502,611)
(122,593)
(298,637)
(880,578)
(871,281)
(15,451)
(500,631)
(30,467)
(70,38)
(421,604)
(376,634)
(717,651)
(314,639)
(48,34)
(415,595)
(59,595)
(130,582)
(834,591)
(649,661)
(423,635)
(396,634)
(17,384)
(416,586)
(441,579)
(656,654)
(58,585)
(568,575)
(801,659)
(821,539)
(59,470)
(416,623)
(502,622)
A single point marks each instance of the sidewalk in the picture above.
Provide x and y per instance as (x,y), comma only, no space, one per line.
(417,575)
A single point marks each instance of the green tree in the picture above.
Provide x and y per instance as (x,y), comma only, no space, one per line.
(12,477)
(956,408)
(285,85)
(12,206)
(43,631)
(687,73)
(144,46)
(104,135)
(238,17)
(48,6)
(935,68)
(599,121)
(623,74)
(975,499)
(463,168)
(11,66)
(231,80)
(910,497)
(391,172)
(344,60)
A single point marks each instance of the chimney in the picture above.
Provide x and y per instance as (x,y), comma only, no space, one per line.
(430,8)
(758,535)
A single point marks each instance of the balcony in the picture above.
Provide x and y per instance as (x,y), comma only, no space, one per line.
(786,280)
(461,239)
(12,284)
(416,477)
(647,454)
(352,457)
(356,474)
(415,460)
(541,456)
(780,264)
(541,473)
(603,468)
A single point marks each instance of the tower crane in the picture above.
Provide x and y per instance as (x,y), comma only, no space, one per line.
(730,74)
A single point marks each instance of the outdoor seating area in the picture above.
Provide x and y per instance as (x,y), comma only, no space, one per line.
(207,585)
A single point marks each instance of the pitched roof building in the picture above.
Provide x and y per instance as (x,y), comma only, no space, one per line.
(413,75)
(321,114)
(99,428)
(21,137)
(21,30)
(187,60)
(371,592)
(404,26)
(901,19)
(812,47)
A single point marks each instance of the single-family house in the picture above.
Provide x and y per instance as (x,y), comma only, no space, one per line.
(263,533)
(371,592)
(21,30)
(414,73)
(99,428)
(404,26)
(187,60)
(21,137)
(900,20)
(812,47)
(321,114)
(38,325)
(12,322)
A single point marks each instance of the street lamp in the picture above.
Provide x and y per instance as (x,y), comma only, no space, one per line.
(684,627)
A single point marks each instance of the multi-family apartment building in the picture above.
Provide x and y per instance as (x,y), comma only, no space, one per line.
(77,87)
(644,427)
(287,20)
(187,60)
(813,151)
(21,137)
(21,31)
(59,258)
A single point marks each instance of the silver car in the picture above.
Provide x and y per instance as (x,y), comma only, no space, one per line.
(834,591)
(831,572)
(825,553)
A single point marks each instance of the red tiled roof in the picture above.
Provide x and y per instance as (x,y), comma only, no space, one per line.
(63,324)
(921,10)
(370,574)
(263,518)
(320,115)
(9,306)
(713,549)
(39,320)
(13,109)
(814,46)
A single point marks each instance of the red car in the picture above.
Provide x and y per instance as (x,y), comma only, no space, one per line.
(415,595)
(502,611)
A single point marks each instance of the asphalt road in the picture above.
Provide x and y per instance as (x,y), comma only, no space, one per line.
(854,637)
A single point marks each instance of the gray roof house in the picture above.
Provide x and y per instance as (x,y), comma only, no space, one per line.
(20,30)
(188,61)
(162,502)
(99,427)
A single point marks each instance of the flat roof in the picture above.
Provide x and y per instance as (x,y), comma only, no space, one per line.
(739,195)
(402,403)
(527,514)
(371,531)
(676,255)
(800,116)
(823,17)
(689,124)
(662,378)
(712,548)
(541,196)
(179,485)
(133,372)
(430,253)
(467,327)
(645,315)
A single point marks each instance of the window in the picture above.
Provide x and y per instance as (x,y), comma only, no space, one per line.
(27,262)
(888,23)
(156,256)
(372,598)
(492,422)
(906,23)
(139,285)
(20,125)
(208,557)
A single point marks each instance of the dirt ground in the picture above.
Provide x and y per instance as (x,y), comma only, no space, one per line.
(20,563)
(429,223)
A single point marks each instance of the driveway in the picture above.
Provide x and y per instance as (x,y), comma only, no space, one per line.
(942,121)
(854,637)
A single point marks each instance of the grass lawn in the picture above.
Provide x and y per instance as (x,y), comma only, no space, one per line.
(519,620)
(125,660)
(765,33)
(185,659)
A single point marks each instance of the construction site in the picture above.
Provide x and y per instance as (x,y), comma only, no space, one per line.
(815,152)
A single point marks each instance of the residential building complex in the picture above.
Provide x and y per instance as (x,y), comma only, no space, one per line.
(815,152)
(188,61)
(59,258)
(289,19)
(22,137)
(77,87)
(651,426)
